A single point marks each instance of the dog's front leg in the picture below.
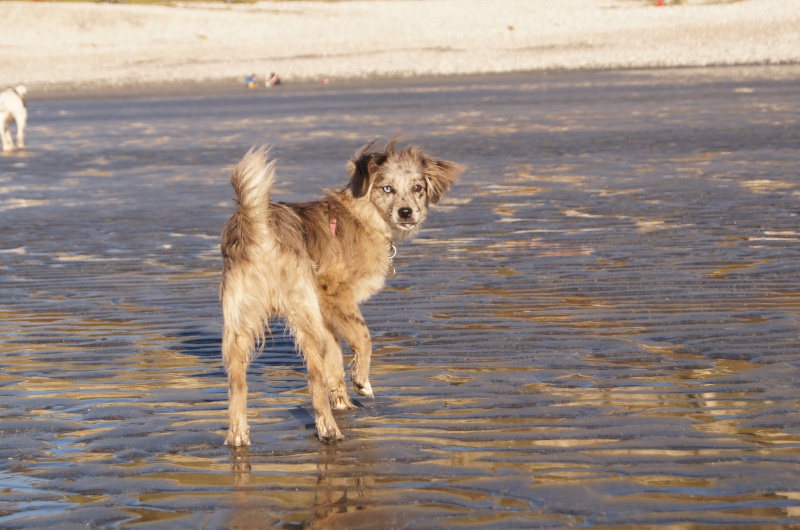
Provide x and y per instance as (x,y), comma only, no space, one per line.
(334,373)
(313,340)
(359,374)
(349,323)
(327,430)
(334,364)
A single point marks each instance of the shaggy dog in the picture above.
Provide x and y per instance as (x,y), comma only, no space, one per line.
(12,108)
(313,264)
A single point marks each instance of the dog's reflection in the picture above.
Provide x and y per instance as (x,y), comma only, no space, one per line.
(343,489)
(247,509)
(240,465)
(344,483)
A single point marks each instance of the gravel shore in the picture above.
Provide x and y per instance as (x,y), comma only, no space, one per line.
(79,46)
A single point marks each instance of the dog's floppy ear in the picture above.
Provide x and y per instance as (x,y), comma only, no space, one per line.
(362,167)
(440,174)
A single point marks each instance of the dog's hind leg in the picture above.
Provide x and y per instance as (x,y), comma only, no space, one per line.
(236,358)
(5,124)
(22,122)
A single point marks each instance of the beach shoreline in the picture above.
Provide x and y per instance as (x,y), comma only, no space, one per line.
(85,49)
(234,87)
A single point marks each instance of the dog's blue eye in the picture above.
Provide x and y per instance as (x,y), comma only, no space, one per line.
(388,189)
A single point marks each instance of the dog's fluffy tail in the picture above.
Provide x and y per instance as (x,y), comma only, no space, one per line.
(252,180)
(241,287)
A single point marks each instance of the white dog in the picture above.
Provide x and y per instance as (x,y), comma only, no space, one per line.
(12,107)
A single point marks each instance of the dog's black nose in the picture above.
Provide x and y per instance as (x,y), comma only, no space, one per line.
(405,213)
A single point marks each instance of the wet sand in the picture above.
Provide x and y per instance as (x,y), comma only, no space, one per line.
(598,328)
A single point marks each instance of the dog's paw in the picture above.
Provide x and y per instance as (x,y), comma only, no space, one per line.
(364,389)
(238,436)
(338,395)
(237,440)
(341,402)
(327,431)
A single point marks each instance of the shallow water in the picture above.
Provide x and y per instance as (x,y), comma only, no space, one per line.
(598,328)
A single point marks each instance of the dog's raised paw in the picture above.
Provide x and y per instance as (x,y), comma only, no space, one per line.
(364,389)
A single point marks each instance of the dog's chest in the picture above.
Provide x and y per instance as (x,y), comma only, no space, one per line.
(354,276)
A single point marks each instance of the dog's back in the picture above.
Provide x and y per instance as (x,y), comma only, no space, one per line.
(276,248)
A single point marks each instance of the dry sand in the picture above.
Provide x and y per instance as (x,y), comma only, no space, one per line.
(76,46)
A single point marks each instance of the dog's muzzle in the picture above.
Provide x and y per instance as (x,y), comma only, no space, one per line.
(406,219)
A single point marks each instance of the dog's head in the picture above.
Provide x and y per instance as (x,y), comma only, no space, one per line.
(401,184)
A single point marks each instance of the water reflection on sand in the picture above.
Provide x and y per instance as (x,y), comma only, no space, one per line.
(598,328)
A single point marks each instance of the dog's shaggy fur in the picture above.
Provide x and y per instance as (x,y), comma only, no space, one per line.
(312,264)
(13,108)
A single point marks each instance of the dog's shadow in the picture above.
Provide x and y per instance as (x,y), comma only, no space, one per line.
(279,351)
(277,370)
